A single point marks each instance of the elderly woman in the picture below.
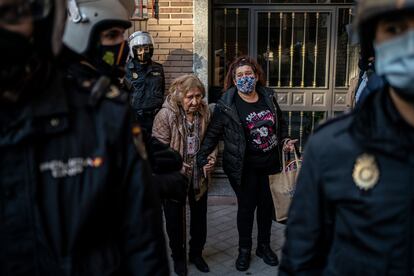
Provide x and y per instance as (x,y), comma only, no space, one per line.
(182,123)
(250,121)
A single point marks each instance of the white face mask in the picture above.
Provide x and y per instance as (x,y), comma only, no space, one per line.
(394,60)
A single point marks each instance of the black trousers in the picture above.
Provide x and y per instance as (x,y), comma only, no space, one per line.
(254,192)
(173,212)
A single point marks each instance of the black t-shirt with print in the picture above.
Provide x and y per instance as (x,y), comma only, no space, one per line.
(259,126)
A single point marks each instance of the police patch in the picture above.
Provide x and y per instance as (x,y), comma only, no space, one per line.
(72,167)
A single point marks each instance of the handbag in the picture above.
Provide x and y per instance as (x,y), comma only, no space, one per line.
(283,184)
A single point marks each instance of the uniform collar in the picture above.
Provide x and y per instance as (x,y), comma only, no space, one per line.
(140,65)
(378,126)
(44,114)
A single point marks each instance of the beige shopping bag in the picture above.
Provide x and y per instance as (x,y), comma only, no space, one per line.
(282,185)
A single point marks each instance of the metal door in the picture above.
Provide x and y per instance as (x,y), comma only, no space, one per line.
(304,50)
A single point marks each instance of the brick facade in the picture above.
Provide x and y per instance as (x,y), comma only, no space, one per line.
(173,36)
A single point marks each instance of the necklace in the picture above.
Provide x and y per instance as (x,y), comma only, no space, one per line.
(192,136)
(190,127)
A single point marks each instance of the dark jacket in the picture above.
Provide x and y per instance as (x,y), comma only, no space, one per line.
(374,83)
(75,195)
(337,228)
(226,124)
(146,84)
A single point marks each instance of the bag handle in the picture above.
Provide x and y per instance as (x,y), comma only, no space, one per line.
(296,157)
(284,159)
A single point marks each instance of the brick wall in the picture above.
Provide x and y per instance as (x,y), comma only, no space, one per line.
(173,36)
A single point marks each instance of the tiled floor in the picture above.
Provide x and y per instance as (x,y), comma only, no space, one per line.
(221,249)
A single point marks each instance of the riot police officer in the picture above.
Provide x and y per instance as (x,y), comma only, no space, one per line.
(76,195)
(352,213)
(94,35)
(145,79)
(96,63)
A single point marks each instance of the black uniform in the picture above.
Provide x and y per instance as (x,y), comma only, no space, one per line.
(146,83)
(334,226)
(75,195)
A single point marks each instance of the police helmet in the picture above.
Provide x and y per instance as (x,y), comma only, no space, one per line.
(88,17)
(48,18)
(368,14)
(140,39)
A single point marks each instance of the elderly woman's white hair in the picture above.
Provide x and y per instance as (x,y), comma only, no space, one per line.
(180,87)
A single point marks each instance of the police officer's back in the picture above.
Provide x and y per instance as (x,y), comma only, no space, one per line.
(76,195)
(352,213)
(145,80)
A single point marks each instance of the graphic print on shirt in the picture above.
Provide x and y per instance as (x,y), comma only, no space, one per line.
(262,133)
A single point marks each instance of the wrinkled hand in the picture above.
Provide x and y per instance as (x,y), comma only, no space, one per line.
(289,145)
(186,169)
(209,167)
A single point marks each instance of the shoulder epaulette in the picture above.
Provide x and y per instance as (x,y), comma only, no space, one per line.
(103,89)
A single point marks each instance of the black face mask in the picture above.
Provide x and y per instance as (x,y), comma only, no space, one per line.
(144,57)
(111,60)
(17,64)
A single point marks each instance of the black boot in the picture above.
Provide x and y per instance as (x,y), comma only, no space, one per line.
(269,257)
(180,267)
(243,260)
(199,262)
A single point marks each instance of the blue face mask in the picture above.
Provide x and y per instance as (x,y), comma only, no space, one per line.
(394,60)
(246,84)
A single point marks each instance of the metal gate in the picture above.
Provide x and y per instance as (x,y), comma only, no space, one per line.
(304,50)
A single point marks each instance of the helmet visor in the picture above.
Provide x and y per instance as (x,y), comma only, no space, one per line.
(140,40)
(13,11)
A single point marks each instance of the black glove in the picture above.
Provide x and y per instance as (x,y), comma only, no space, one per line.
(172,186)
(163,159)
(166,165)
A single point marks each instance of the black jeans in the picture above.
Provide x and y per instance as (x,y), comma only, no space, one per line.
(173,212)
(253,192)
